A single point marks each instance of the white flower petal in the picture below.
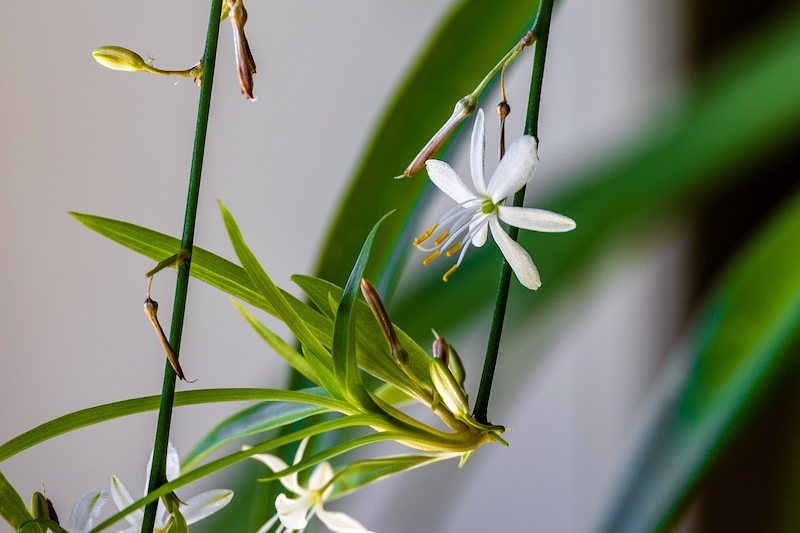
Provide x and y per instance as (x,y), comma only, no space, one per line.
(276,464)
(321,476)
(123,499)
(173,463)
(479,239)
(340,522)
(535,219)
(86,510)
(205,504)
(443,176)
(477,153)
(521,263)
(293,512)
(515,170)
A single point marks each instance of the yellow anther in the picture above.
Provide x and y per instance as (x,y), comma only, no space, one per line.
(441,238)
(447,274)
(431,257)
(456,247)
(425,236)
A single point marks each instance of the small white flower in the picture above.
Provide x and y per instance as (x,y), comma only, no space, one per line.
(294,513)
(86,510)
(196,508)
(480,211)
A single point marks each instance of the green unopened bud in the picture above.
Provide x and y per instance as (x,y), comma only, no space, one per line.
(447,389)
(118,58)
(42,507)
(456,367)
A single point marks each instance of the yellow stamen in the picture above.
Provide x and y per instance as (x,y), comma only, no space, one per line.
(447,274)
(456,247)
(434,255)
(425,236)
(441,238)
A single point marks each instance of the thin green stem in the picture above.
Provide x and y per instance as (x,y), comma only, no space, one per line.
(542,30)
(158,470)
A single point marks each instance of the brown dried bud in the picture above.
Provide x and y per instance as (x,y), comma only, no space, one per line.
(463,109)
(385,323)
(245,63)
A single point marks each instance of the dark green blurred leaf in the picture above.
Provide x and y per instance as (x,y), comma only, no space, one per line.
(734,117)
(745,344)
(361,473)
(256,419)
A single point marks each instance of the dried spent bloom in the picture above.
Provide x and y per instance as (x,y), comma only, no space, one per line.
(294,513)
(478,212)
(245,64)
(463,109)
(194,509)
(376,304)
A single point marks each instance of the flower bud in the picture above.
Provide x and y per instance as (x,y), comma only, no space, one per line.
(441,350)
(448,389)
(42,507)
(118,58)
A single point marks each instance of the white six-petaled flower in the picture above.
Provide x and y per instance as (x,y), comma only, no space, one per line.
(294,513)
(481,211)
(196,508)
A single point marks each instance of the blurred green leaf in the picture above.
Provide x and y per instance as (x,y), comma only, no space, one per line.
(256,419)
(745,345)
(472,38)
(737,115)
(12,508)
(361,473)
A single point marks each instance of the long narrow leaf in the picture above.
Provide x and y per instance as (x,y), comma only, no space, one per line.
(747,342)
(318,356)
(12,508)
(110,411)
(345,363)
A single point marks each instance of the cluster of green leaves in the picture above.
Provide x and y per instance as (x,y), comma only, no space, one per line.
(339,338)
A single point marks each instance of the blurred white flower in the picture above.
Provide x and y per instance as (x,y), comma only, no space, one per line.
(196,508)
(480,211)
(85,510)
(294,513)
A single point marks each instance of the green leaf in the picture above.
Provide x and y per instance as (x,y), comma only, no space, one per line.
(12,508)
(253,420)
(110,411)
(361,473)
(746,342)
(370,338)
(317,356)
(471,39)
(345,363)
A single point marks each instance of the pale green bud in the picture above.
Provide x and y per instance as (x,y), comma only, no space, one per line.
(118,58)
(448,389)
